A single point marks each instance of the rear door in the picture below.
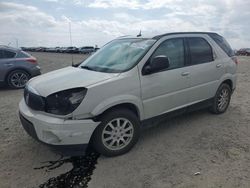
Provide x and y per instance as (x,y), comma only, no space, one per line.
(204,67)
(6,62)
(165,91)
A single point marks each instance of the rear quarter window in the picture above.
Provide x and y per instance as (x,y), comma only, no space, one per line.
(223,44)
(23,54)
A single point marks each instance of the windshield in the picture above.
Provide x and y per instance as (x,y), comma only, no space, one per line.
(118,55)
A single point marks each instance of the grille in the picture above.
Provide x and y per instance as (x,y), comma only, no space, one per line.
(35,102)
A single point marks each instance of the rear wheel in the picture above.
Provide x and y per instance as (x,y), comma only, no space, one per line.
(117,134)
(17,79)
(222,99)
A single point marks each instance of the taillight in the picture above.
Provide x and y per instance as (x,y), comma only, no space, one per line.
(235,60)
(31,60)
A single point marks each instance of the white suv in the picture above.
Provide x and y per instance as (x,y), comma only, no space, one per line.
(129,81)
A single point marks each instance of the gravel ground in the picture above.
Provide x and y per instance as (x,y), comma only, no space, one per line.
(167,155)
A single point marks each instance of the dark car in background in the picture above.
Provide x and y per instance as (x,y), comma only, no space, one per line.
(72,50)
(16,67)
(243,51)
(62,49)
(86,49)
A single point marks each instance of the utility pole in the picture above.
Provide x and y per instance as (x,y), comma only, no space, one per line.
(70,38)
(16,42)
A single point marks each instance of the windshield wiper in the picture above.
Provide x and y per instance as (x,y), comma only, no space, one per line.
(87,67)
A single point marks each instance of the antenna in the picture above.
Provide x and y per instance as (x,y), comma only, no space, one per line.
(16,42)
(70,38)
(139,35)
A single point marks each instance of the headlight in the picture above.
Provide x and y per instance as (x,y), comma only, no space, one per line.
(64,102)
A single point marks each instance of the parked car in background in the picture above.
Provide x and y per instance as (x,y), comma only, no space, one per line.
(62,49)
(86,50)
(57,49)
(243,51)
(16,67)
(53,49)
(129,82)
(32,49)
(41,49)
(72,50)
(50,50)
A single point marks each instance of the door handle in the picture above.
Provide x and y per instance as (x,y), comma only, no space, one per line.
(185,73)
(218,65)
(8,64)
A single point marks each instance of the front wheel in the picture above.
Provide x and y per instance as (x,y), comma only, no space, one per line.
(222,99)
(117,134)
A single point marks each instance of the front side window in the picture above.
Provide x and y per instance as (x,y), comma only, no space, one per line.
(173,49)
(200,50)
(118,56)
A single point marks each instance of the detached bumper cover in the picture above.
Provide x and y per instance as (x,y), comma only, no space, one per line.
(55,131)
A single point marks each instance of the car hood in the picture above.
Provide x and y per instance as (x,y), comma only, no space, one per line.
(66,78)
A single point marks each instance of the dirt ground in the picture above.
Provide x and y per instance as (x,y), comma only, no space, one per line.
(167,155)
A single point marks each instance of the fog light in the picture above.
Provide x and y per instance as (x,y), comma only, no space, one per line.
(50,138)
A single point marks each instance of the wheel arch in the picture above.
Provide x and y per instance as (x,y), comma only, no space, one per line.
(229,79)
(229,82)
(15,69)
(125,105)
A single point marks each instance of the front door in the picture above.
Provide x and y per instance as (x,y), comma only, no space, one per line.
(166,90)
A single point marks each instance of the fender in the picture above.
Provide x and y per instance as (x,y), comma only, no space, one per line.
(15,68)
(228,76)
(121,99)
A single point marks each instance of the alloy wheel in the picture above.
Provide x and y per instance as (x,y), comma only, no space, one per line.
(19,79)
(117,133)
(223,100)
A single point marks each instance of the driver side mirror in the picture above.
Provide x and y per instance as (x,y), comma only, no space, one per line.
(158,63)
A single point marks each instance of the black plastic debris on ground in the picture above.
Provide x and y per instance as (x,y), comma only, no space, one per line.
(77,177)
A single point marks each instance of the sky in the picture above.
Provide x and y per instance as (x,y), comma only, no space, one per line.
(96,22)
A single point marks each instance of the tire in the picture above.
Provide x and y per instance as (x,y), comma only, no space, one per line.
(123,137)
(17,79)
(221,99)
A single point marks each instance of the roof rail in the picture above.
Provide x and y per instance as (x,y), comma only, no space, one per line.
(157,37)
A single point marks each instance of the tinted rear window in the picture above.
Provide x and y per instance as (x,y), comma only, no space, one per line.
(200,50)
(223,44)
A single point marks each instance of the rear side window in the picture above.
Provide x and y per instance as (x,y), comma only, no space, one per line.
(200,50)
(223,44)
(7,54)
